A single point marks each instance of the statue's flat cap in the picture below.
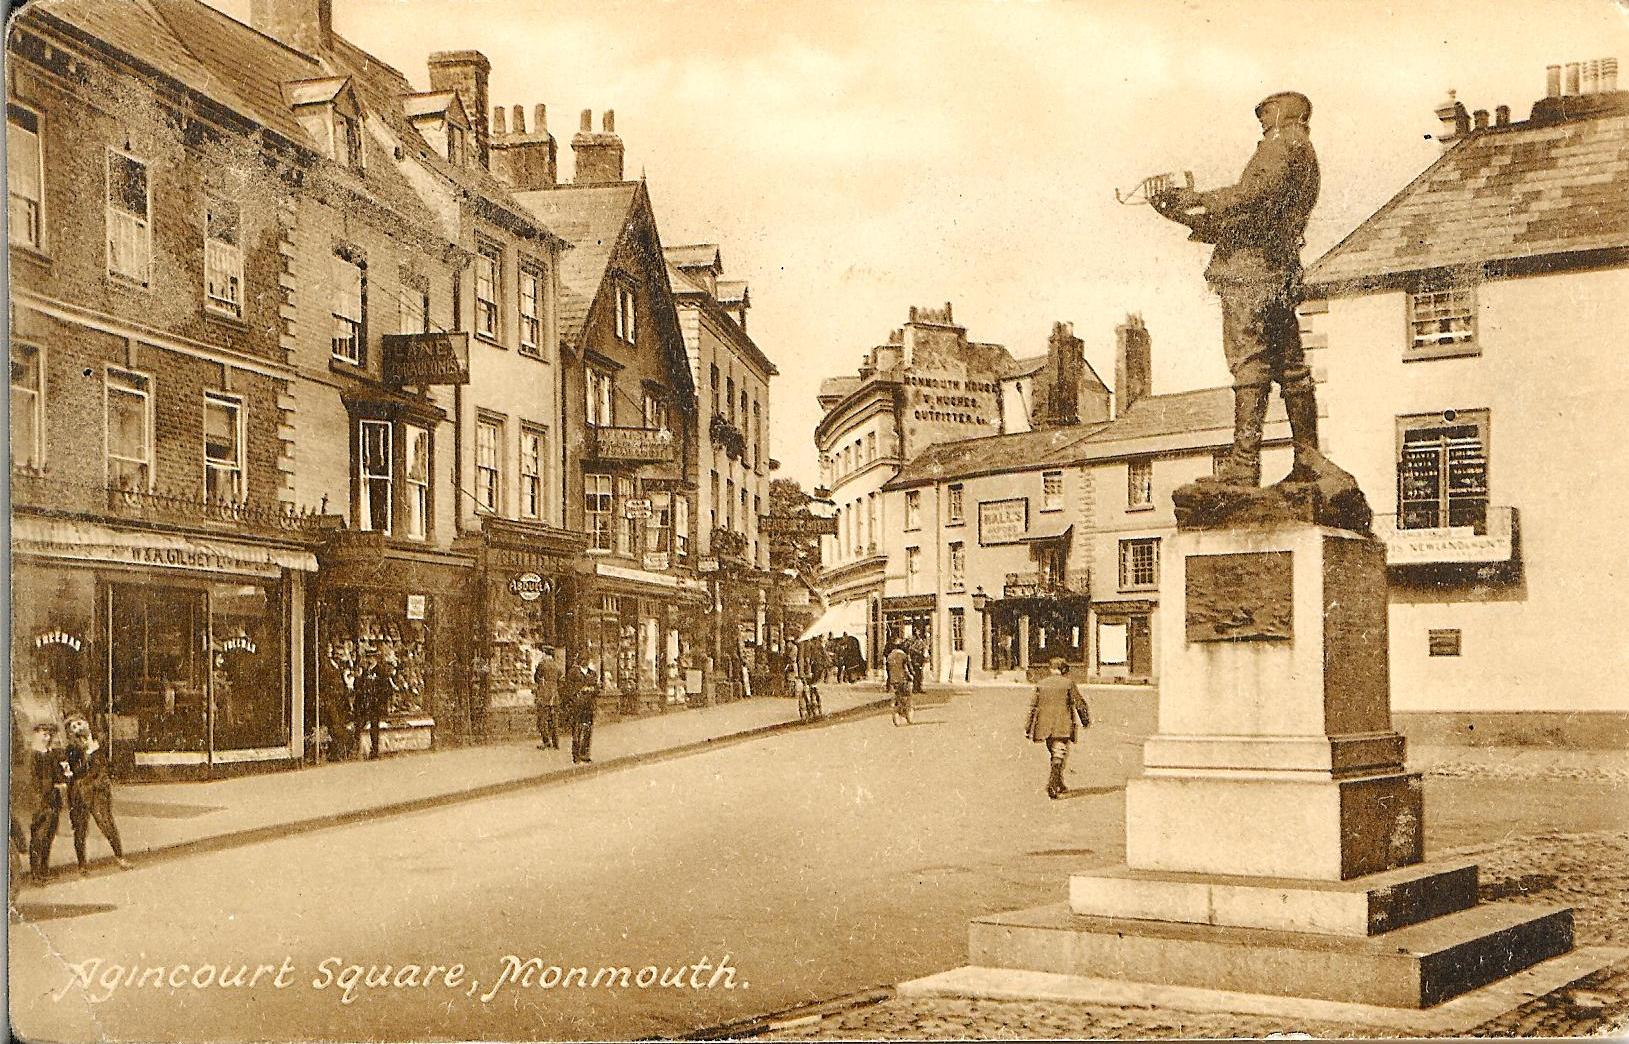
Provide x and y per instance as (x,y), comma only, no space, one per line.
(1298,104)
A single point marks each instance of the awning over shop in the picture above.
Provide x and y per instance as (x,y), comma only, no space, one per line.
(840,618)
(94,542)
(1054,530)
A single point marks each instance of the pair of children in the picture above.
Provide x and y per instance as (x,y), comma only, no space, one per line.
(75,776)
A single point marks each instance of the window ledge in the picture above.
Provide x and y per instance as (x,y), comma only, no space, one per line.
(1139,507)
(338,365)
(32,253)
(1149,587)
(1049,510)
(491,339)
(120,282)
(957,524)
(227,319)
(1441,351)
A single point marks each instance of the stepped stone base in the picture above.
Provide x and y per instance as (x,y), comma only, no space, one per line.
(1412,967)
(1367,906)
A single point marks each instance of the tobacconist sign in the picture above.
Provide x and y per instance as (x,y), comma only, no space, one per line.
(426,358)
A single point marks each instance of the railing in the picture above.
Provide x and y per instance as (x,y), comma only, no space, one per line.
(185,507)
(1490,540)
(1035,585)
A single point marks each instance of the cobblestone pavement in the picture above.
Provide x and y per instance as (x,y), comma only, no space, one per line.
(1589,871)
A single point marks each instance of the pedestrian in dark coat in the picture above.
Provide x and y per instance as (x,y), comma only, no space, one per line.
(90,792)
(546,699)
(1052,715)
(49,773)
(917,648)
(583,683)
(898,667)
(373,692)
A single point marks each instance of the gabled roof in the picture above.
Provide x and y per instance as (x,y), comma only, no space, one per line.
(1025,367)
(434,103)
(993,454)
(733,292)
(319,91)
(695,255)
(592,219)
(1510,193)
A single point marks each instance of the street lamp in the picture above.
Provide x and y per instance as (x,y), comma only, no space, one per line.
(981,600)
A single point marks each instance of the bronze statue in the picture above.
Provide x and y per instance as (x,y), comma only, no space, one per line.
(1256,226)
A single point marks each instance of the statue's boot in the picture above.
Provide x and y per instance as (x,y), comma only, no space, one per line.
(1301,404)
(1243,464)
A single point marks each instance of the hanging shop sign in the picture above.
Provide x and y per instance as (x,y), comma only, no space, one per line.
(417,606)
(426,358)
(529,587)
(796,525)
(637,508)
(632,445)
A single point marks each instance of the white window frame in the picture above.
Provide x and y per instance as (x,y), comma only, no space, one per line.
(958,630)
(488,271)
(128,229)
(1442,322)
(1128,564)
(659,527)
(913,568)
(489,464)
(366,479)
(955,504)
(223,261)
(236,469)
(956,566)
(534,440)
(418,502)
(913,509)
(531,308)
(32,207)
(140,385)
(340,308)
(627,313)
(1051,499)
(599,511)
(32,402)
(1140,483)
(601,392)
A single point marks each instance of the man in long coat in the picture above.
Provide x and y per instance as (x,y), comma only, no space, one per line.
(1052,715)
(546,699)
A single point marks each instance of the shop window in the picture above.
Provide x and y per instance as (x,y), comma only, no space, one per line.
(129,431)
(1052,491)
(223,448)
(374,476)
(531,310)
(129,218)
(347,342)
(628,529)
(955,513)
(1139,564)
(488,468)
(958,630)
(1442,470)
(1140,484)
(681,525)
(532,442)
(601,388)
(223,258)
(417,473)
(488,263)
(1442,321)
(913,509)
(25,178)
(27,407)
(627,319)
(247,667)
(958,567)
(913,568)
(157,661)
(599,508)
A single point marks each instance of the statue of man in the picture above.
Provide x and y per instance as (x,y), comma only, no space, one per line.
(1256,226)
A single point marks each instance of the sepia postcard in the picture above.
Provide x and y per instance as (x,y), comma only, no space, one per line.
(542,520)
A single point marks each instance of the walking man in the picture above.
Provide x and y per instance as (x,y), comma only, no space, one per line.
(371,700)
(48,768)
(1052,715)
(90,793)
(899,683)
(918,648)
(546,699)
(583,684)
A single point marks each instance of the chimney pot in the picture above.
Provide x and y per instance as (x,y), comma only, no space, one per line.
(588,121)
(608,121)
(1501,116)
(520,119)
(1481,116)
(1609,75)
(498,128)
(1592,77)
(1456,122)
(540,119)
(1552,81)
(1571,87)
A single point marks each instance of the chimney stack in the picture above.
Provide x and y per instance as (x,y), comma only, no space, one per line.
(599,156)
(1609,75)
(525,160)
(1501,116)
(1133,364)
(1057,400)
(1456,122)
(1580,90)
(1571,87)
(305,25)
(467,73)
(1552,81)
(1481,117)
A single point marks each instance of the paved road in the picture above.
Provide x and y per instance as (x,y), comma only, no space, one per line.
(820,861)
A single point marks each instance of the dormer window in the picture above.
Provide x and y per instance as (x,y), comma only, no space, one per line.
(455,145)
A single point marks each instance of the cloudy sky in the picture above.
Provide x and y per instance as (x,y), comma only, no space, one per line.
(855,158)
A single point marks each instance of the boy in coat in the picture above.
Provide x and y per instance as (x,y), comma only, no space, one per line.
(1052,715)
(90,792)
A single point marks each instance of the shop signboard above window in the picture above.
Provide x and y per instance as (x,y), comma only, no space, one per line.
(796,525)
(1003,521)
(638,508)
(426,358)
(632,445)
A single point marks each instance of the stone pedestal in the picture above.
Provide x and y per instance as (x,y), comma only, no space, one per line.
(1274,842)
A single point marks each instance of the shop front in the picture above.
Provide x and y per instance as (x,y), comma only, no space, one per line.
(639,633)
(905,617)
(183,651)
(1036,621)
(407,608)
(1123,649)
(528,595)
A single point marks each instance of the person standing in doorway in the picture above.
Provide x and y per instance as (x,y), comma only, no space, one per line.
(546,699)
(90,793)
(1052,715)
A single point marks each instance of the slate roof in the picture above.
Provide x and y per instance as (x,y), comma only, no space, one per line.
(1161,417)
(1027,366)
(694,255)
(732,291)
(993,454)
(591,218)
(1523,191)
